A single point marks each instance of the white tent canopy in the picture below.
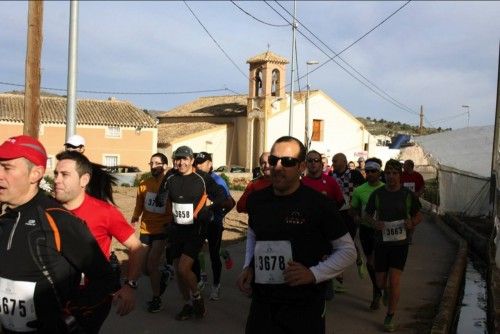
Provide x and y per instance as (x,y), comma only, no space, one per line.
(463,160)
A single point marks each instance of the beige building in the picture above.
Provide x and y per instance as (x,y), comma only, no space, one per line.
(116,132)
(236,129)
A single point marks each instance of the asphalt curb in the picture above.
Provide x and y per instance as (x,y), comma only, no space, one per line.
(445,318)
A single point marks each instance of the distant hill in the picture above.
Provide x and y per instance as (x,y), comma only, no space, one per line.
(383,127)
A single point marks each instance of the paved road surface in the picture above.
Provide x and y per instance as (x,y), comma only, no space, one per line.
(429,260)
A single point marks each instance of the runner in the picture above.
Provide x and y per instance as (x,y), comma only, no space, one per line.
(72,175)
(397,211)
(347,180)
(359,200)
(203,162)
(186,192)
(412,179)
(296,240)
(44,250)
(256,184)
(75,143)
(152,218)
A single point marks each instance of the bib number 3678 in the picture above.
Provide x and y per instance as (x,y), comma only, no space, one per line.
(271,258)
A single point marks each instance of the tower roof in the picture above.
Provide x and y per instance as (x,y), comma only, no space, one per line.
(268,57)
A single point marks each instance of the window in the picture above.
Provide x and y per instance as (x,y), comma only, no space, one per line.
(258,83)
(317,130)
(275,85)
(110,160)
(113,132)
(50,163)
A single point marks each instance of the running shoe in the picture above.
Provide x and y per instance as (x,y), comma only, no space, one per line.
(215,293)
(167,274)
(389,323)
(186,313)
(203,281)
(155,305)
(228,261)
(375,305)
(385,297)
(199,307)
(362,270)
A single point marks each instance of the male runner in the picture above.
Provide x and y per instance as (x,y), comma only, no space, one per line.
(72,175)
(397,211)
(256,184)
(152,217)
(186,192)
(359,200)
(203,162)
(296,240)
(44,250)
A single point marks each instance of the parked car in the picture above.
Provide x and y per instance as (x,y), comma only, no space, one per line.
(125,175)
(233,169)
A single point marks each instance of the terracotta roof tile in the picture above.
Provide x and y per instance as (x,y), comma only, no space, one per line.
(168,132)
(268,57)
(89,112)
(220,106)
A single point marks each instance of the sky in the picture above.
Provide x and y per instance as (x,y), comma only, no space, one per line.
(439,55)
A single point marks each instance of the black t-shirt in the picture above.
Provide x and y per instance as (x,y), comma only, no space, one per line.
(27,245)
(309,221)
(391,206)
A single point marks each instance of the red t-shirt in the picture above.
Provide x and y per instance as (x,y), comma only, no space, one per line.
(413,181)
(254,185)
(327,186)
(104,222)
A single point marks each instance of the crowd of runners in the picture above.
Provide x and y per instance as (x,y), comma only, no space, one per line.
(307,223)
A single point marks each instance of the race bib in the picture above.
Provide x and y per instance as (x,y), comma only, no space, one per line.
(409,185)
(151,205)
(394,231)
(183,213)
(17,307)
(271,258)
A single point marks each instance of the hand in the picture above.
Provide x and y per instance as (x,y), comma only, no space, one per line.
(134,221)
(379,225)
(125,298)
(298,274)
(409,224)
(244,281)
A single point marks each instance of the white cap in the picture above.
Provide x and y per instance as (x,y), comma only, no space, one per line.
(75,140)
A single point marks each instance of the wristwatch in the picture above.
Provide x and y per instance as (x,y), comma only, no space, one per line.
(131,283)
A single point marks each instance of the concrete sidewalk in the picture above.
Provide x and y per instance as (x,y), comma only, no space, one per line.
(429,261)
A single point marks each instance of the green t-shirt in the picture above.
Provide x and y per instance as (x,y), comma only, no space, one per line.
(360,198)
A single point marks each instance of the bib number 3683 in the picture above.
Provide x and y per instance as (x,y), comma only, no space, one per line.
(271,258)
(16,304)
(394,231)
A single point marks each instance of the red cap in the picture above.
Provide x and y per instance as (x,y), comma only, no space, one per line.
(24,147)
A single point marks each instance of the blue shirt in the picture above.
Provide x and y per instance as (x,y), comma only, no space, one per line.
(219,214)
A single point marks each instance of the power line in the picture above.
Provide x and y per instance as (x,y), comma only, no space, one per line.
(257,19)
(215,41)
(128,93)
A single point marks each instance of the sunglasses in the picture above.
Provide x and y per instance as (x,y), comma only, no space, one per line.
(285,161)
(371,171)
(310,160)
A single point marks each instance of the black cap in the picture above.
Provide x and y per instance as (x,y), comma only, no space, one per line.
(183,152)
(202,157)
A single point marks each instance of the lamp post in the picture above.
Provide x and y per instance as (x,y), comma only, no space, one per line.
(468,113)
(306,140)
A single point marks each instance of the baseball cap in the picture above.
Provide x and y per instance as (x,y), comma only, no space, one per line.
(75,140)
(202,157)
(24,147)
(372,165)
(183,152)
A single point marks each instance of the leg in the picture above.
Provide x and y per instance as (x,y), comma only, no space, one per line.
(395,289)
(214,236)
(185,276)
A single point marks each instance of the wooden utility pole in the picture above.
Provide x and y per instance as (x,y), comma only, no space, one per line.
(421,127)
(33,77)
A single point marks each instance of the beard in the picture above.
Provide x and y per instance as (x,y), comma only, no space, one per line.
(157,171)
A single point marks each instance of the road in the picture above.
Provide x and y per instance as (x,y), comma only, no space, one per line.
(430,258)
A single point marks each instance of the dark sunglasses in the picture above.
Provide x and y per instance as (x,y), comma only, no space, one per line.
(371,171)
(285,161)
(313,160)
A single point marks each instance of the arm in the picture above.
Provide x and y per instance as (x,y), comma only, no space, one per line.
(125,297)
(139,204)
(246,276)
(241,206)
(421,183)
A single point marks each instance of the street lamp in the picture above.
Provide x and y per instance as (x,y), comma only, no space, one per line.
(468,113)
(306,141)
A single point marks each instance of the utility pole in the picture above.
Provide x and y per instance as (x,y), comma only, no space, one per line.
(468,113)
(421,127)
(294,26)
(32,74)
(72,70)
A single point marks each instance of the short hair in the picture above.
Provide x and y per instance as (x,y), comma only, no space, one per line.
(261,156)
(163,157)
(410,163)
(374,159)
(83,164)
(287,139)
(394,164)
(314,152)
